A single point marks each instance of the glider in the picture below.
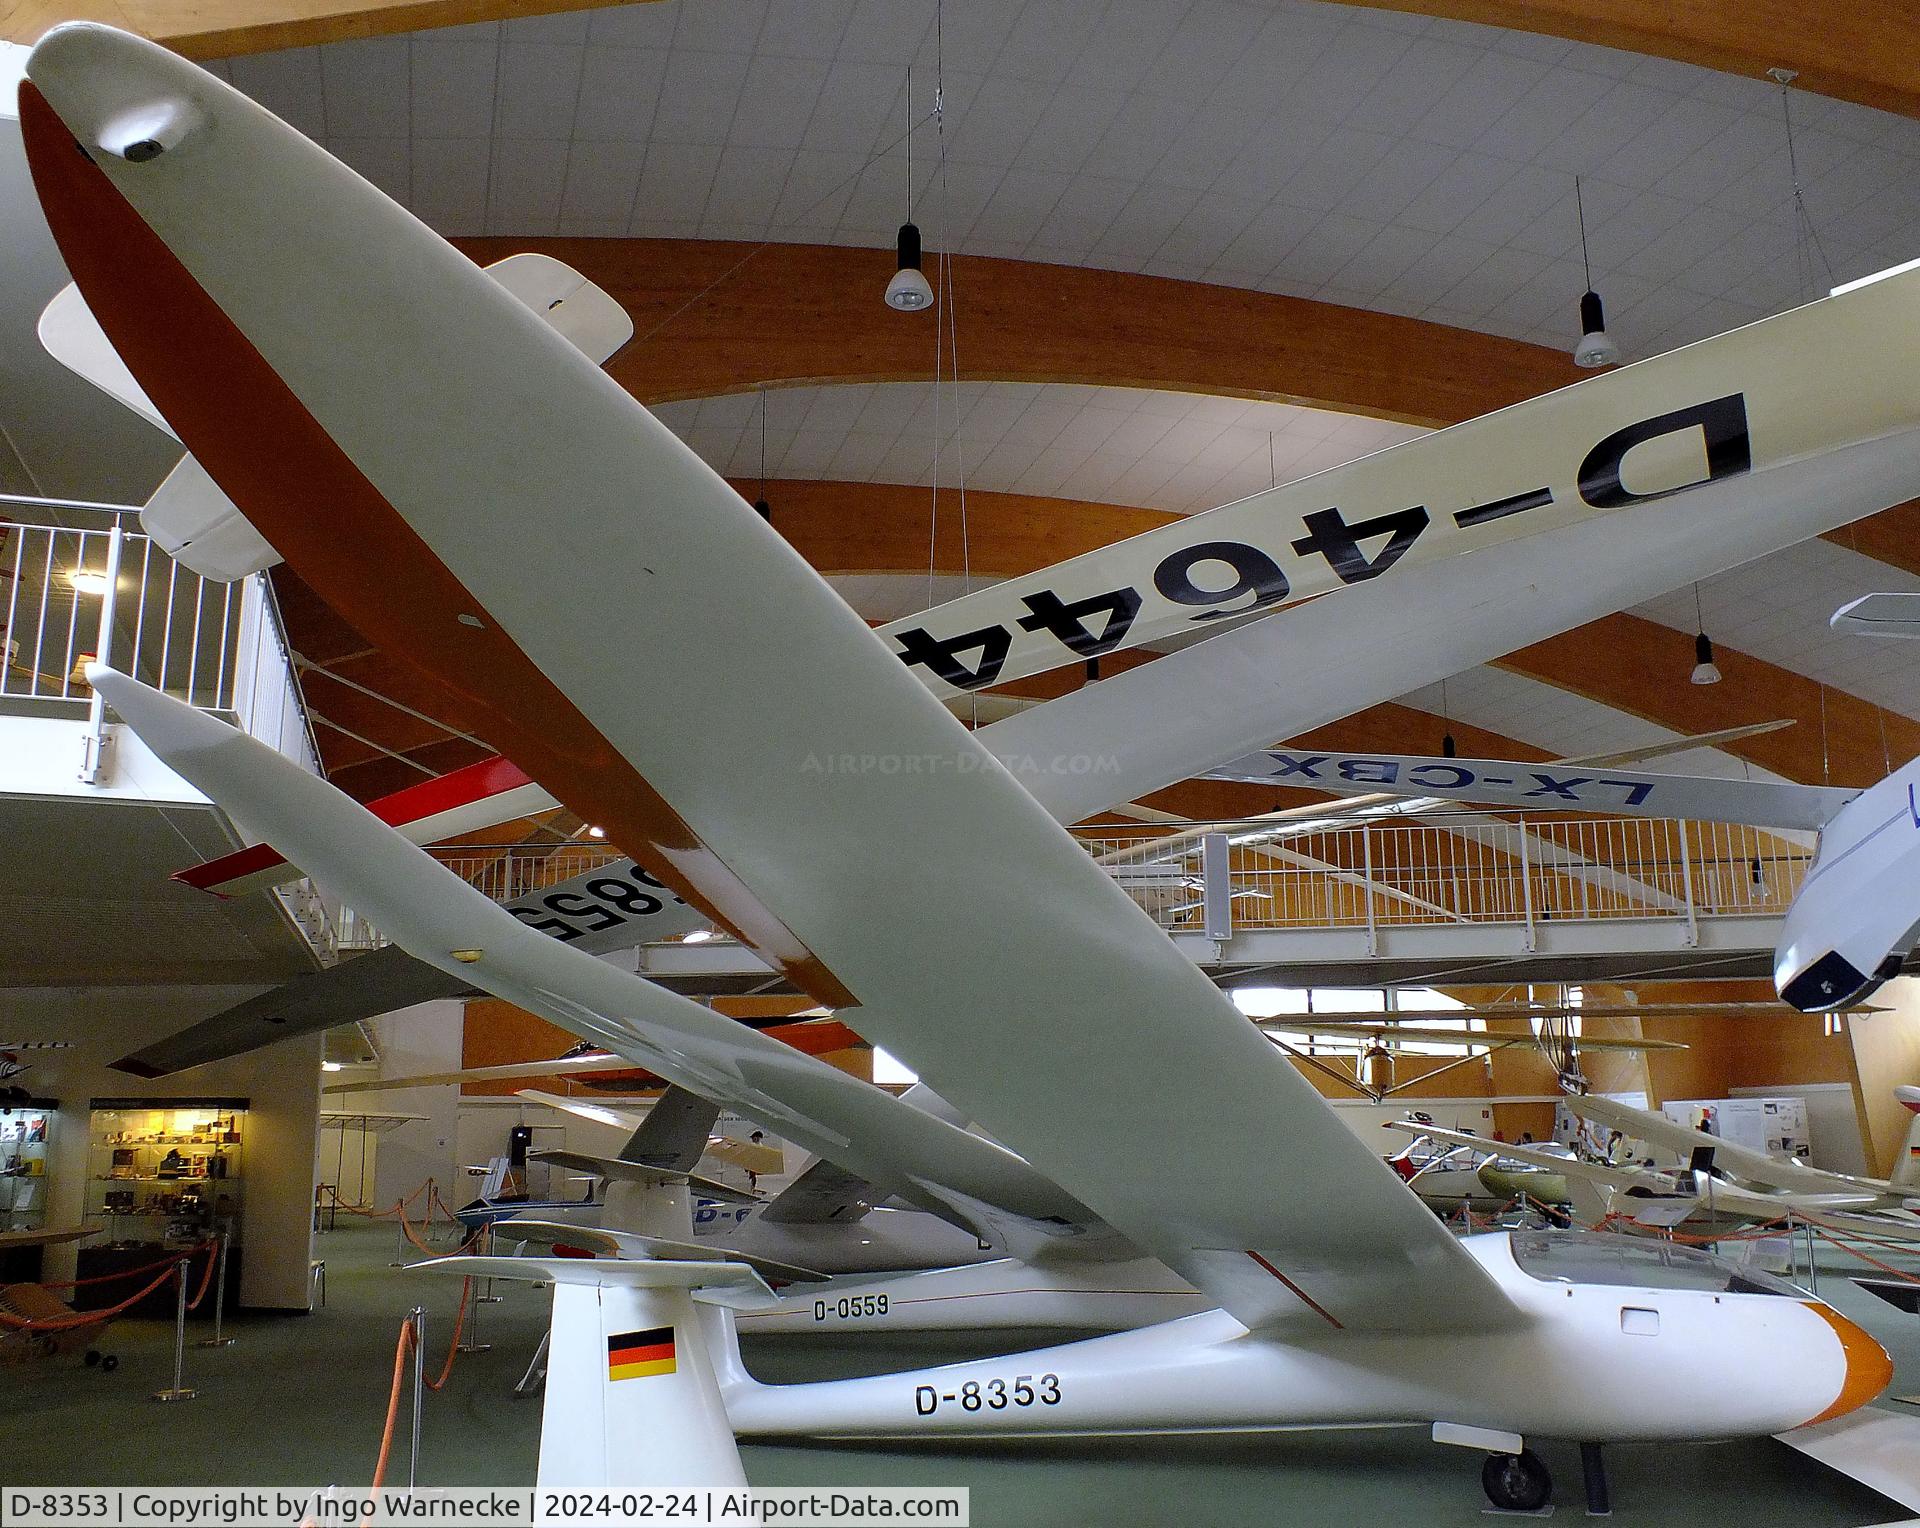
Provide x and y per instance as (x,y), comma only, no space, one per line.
(939,908)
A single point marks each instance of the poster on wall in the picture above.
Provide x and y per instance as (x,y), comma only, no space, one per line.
(1777,1126)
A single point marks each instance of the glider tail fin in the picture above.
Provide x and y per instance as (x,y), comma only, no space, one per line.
(633,1398)
(674,1133)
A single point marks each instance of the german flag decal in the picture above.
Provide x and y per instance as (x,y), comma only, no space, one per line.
(634,1355)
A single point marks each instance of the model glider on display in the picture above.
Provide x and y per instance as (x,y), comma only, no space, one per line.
(1699,1197)
(942,911)
(1454,1169)
(1729,1159)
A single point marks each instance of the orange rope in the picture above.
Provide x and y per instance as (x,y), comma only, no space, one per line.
(1826,1235)
(393,1402)
(81,1318)
(206,1275)
(453,1344)
(125,1273)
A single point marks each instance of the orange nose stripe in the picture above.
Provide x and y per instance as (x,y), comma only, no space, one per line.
(1868,1367)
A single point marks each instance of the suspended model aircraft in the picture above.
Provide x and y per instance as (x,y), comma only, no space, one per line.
(1024,985)
(1854,919)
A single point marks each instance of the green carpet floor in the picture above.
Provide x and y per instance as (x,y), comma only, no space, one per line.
(299,1401)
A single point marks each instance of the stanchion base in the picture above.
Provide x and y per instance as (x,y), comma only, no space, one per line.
(216,1342)
(488,1299)
(167,1396)
(475,1347)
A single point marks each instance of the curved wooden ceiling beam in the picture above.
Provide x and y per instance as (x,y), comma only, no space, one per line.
(1858,50)
(715,317)
(1639,666)
(883,527)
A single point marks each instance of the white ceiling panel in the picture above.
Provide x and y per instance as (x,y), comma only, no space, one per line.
(1295,147)
(1777,609)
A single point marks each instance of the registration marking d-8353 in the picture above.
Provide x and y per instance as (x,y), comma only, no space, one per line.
(995,1394)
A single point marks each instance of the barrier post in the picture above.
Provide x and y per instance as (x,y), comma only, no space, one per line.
(418,1316)
(218,1339)
(487,1296)
(471,1343)
(178,1391)
(399,1236)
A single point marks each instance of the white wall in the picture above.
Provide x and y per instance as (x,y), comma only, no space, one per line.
(421,1039)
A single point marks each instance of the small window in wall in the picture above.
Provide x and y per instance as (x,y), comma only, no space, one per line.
(1638,1321)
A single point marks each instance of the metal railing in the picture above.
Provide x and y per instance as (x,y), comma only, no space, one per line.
(70,595)
(1441,869)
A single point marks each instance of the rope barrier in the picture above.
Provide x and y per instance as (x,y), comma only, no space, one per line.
(1825,1235)
(453,1344)
(402,1348)
(125,1273)
(206,1275)
(86,1317)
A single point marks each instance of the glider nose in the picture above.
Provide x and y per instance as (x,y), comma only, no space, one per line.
(1868,1368)
(119,95)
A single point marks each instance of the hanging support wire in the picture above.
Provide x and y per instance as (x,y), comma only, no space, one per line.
(1806,238)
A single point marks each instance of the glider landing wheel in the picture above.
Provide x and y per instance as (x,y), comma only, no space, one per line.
(1516,1482)
(109,1362)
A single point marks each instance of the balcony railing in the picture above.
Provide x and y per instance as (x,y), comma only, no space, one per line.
(1451,868)
(1445,869)
(71,594)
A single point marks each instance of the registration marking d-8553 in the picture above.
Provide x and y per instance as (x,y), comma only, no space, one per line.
(996,1394)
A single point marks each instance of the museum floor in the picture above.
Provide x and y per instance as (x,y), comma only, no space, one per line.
(299,1400)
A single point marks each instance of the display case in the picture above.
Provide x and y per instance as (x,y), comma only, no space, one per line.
(25,1130)
(24,1133)
(162,1174)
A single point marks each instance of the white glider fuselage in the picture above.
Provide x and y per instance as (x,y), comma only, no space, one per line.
(1588,1361)
(1856,915)
(1056,1294)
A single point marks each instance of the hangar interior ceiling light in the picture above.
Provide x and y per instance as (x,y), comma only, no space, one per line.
(908,292)
(1705,670)
(1596,347)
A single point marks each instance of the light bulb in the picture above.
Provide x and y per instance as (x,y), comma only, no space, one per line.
(1596,347)
(908,292)
(1705,670)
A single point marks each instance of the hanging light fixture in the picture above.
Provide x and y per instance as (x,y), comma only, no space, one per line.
(760,505)
(908,292)
(1449,749)
(1705,670)
(1596,347)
